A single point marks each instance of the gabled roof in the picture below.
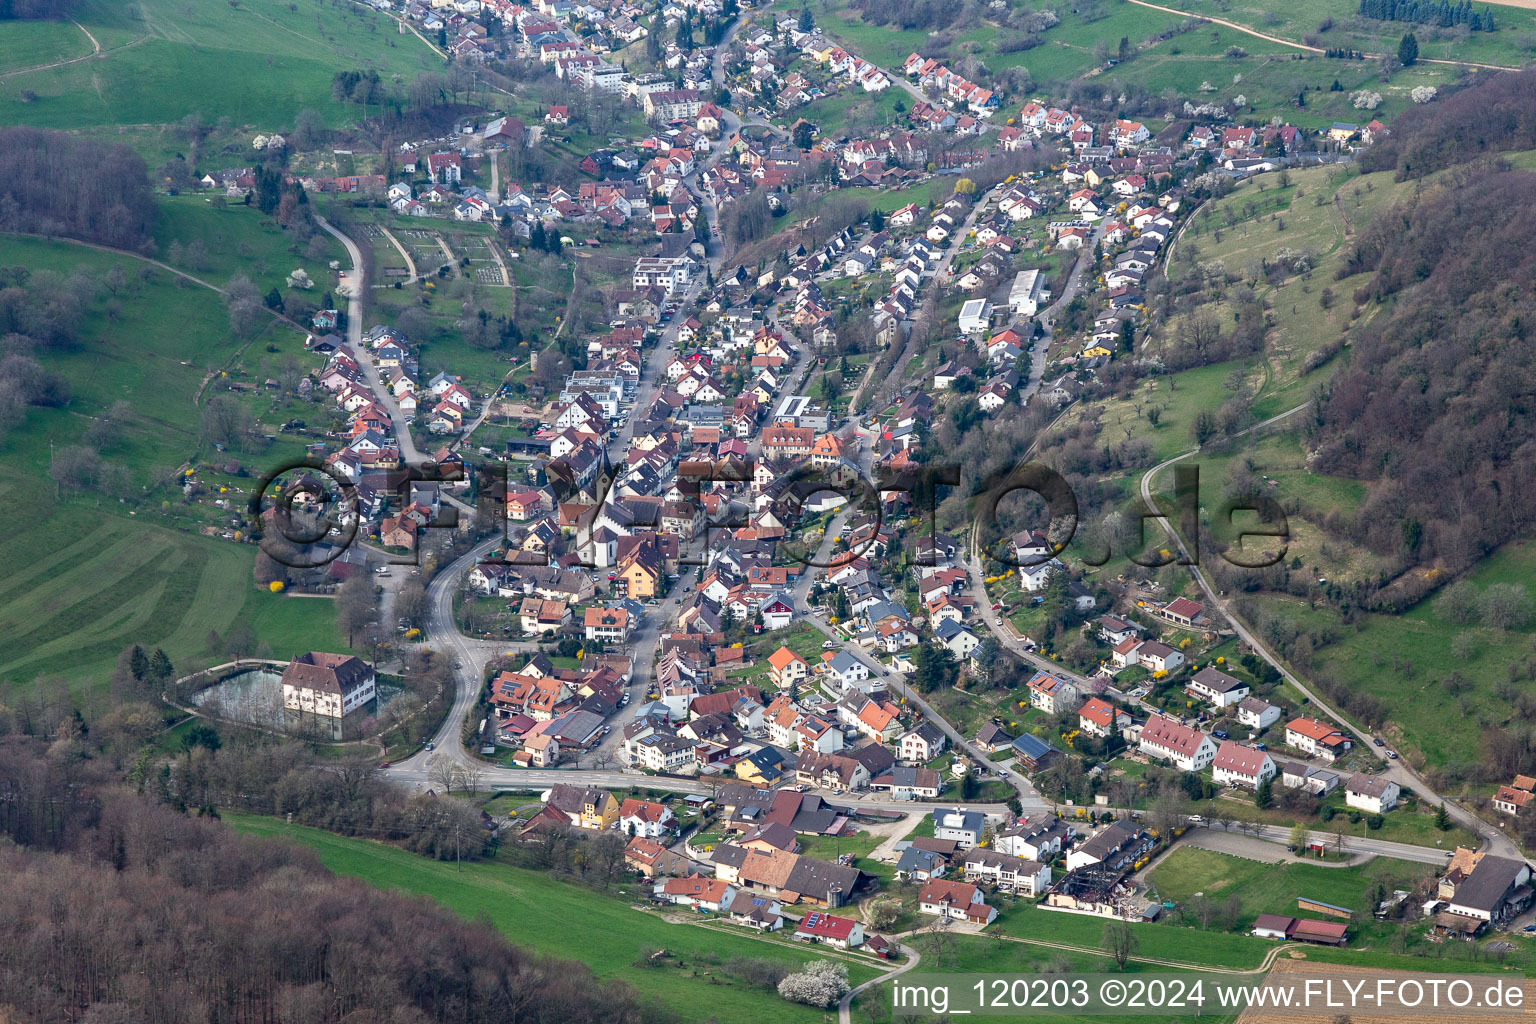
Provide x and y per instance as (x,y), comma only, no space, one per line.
(826,926)
(1098,711)
(1032,747)
(1240,759)
(1165,733)
(1217,681)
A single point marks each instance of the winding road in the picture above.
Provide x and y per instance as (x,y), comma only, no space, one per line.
(1393,768)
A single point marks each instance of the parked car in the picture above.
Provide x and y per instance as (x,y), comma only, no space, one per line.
(1220,734)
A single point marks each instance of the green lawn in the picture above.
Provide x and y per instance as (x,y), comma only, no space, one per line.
(239,238)
(541,913)
(1156,941)
(1274,888)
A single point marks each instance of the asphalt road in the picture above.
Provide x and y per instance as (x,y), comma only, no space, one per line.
(1393,768)
(1376,847)
(354,290)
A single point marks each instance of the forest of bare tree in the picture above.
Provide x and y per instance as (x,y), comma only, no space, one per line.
(36,9)
(53,183)
(1434,408)
(1497,115)
(116,908)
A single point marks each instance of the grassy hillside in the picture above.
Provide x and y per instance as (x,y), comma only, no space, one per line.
(258,62)
(26,44)
(87,581)
(91,574)
(544,914)
(1511,44)
(1443,684)
(241,239)
(1204,62)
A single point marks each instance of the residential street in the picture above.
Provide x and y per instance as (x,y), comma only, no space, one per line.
(355,291)
(1395,769)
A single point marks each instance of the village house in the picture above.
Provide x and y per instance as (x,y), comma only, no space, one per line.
(607,625)
(594,810)
(697,891)
(786,669)
(964,828)
(1317,738)
(1239,765)
(760,913)
(1181,611)
(1100,718)
(922,744)
(650,858)
(1481,890)
(1007,873)
(1257,714)
(1513,798)
(842,932)
(1117,846)
(959,901)
(645,819)
(1375,794)
(1185,747)
(1215,686)
(918,863)
(1032,839)
(1053,694)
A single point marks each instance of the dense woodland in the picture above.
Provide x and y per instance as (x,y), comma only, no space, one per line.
(1498,115)
(114,908)
(36,9)
(1435,407)
(52,183)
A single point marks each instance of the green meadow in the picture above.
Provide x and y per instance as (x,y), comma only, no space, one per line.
(539,912)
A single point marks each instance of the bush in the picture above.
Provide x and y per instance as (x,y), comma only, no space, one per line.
(822,984)
(1375,822)
(883,912)
(756,971)
(1326,814)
